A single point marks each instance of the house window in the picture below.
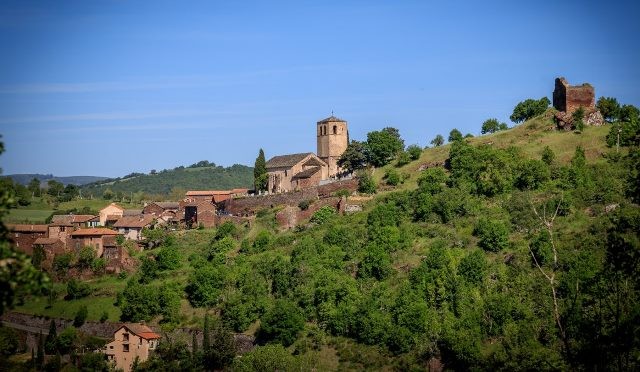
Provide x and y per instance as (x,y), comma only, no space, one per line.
(140,340)
(17,235)
(285,172)
(125,337)
(111,347)
(125,348)
(335,129)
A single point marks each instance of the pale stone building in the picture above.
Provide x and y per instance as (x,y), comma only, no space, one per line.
(333,138)
(295,171)
(110,212)
(131,341)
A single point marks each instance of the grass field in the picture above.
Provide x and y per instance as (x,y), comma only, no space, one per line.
(41,208)
(27,215)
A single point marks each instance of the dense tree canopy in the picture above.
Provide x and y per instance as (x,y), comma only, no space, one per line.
(529,108)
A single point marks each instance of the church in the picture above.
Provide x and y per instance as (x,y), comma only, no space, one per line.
(299,171)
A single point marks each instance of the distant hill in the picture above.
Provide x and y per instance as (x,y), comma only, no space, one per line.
(209,177)
(24,179)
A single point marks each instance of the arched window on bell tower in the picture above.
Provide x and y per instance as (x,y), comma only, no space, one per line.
(335,129)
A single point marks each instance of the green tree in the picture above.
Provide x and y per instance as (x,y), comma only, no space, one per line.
(81,316)
(86,256)
(354,157)
(455,135)
(67,340)
(382,146)
(578,119)
(548,156)
(629,114)
(375,264)
(437,141)
(323,215)
(8,342)
(138,302)
(493,235)
(529,108)
(40,351)
(403,159)
(168,258)
(392,177)
(222,349)
(260,176)
(473,267)
(490,126)
(34,187)
(609,108)
(204,285)
(169,302)
(366,184)
(282,323)
(414,152)
(51,341)
(54,188)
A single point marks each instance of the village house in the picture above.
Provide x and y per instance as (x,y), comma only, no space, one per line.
(295,172)
(93,237)
(166,211)
(116,257)
(77,221)
(131,226)
(131,342)
(61,230)
(50,247)
(23,236)
(198,212)
(110,214)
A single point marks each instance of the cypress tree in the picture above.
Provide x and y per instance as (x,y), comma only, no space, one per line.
(206,341)
(260,172)
(40,352)
(50,343)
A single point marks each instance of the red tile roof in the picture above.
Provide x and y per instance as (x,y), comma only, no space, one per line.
(98,231)
(140,221)
(28,228)
(208,192)
(141,330)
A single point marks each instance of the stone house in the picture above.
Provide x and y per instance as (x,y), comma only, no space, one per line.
(166,211)
(131,226)
(93,237)
(61,231)
(198,212)
(131,342)
(295,171)
(51,247)
(77,221)
(215,196)
(23,236)
(110,213)
(117,257)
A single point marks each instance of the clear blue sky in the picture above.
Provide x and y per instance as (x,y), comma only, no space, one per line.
(111,87)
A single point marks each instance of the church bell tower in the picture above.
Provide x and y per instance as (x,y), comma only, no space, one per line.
(333,138)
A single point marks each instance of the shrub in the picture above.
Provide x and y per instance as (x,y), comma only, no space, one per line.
(262,241)
(366,185)
(76,289)
(494,235)
(403,159)
(168,258)
(473,267)
(323,215)
(282,323)
(304,205)
(392,177)
(225,229)
(414,152)
(205,285)
(81,316)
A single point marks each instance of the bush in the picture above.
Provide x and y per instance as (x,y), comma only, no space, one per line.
(76,289)
(304,205)
(86,256)
(262,241)
(494,235)
(8,341)
(205,285)
(414,152)
(282,323)
(323,215)
(403,159)
(225,229)
(392,177)
(366,185)
(81,316)
(529,108)
(473,267)
(168,258)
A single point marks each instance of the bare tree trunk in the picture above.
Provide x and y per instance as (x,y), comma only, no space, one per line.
(547,224)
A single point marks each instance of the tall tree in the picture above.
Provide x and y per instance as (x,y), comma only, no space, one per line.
(206,336)
(455,135)
(354,157)
(437,141)
(260,176)
(34,187)
(609,108)
(51,342)
(382,146)
(40,351)
(529,108)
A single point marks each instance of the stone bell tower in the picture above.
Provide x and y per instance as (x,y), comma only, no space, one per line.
(333,138)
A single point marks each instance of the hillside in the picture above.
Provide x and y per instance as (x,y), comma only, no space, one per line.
(24,179)
(190,178)
(502,262)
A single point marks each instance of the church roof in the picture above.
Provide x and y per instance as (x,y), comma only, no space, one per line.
(307,173)
(331,119)
(287,160)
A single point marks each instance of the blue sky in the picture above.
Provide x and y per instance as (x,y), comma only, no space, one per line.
(112,87)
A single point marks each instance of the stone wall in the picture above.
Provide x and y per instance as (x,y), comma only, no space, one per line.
(250,205)
(568,98)
(291,216)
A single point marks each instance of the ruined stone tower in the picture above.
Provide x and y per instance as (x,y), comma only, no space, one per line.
(333,138)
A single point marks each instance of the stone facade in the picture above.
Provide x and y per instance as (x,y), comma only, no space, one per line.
(295,172)
(131,342)
(333,138)
(112,209)
(568,98)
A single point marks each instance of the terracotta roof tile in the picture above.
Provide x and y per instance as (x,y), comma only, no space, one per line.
(167,205)
(134,221)
(141,330)
(208,192)
(28,228)
(307,173)
(72,218)
(94,231)
(132,212)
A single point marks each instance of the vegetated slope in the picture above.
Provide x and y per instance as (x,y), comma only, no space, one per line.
(197,178)
(24,179)
(504,262)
